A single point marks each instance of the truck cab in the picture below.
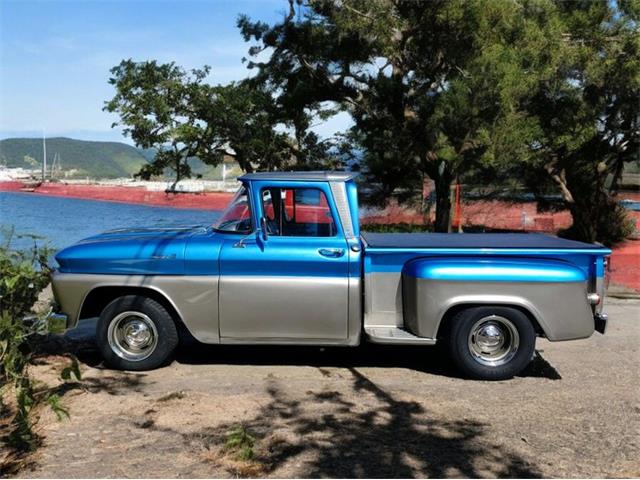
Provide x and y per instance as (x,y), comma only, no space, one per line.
(286,264)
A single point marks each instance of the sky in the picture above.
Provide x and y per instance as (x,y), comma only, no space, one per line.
(55,56)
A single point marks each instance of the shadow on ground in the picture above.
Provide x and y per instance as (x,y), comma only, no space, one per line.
(432,360)
(325,435)
(357,429)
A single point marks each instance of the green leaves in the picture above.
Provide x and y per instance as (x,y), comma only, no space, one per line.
(72,370)
(240,441)
(177,113)
(23,275)
(55,404)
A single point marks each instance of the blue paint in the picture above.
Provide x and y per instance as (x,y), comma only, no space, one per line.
(285,256)
(472,269)
(203,251)
(134,251)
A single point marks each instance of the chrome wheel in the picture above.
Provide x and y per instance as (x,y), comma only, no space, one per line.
(132,335)
(493,341)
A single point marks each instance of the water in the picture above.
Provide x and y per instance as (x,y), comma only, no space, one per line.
(62,221)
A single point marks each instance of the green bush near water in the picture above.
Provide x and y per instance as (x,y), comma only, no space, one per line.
(23,275)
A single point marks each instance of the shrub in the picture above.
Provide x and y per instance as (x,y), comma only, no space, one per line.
(23,275)
(395,228)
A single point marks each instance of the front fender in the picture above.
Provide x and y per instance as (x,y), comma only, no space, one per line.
(193,297)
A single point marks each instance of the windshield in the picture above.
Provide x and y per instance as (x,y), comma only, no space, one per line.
(237,217)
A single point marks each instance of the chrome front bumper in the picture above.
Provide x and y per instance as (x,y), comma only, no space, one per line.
(58,322)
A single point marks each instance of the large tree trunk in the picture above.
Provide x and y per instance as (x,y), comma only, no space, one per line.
(443,201)
(584,223)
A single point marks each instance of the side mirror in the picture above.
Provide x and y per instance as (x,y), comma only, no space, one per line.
(263,229)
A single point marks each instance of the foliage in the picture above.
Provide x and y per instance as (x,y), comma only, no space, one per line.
(540,93)
(429,85)
(158,105)
(241,442)
(23,275)
(92,159)
(394,228)
(585,108)
(181,117)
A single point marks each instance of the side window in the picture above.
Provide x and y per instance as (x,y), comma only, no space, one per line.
(297,212)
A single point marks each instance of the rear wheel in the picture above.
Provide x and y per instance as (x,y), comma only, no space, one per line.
(136,333)
(492,342)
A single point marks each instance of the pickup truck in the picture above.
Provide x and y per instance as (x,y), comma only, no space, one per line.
(286,264)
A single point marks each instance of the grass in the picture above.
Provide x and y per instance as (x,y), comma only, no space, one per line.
(240,442)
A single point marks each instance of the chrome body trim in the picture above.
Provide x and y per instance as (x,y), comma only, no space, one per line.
(59,317)
(339,191)
(397,336)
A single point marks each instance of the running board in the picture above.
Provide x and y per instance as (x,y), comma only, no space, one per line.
(386,334)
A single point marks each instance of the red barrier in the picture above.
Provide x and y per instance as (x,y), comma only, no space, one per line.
(135,195)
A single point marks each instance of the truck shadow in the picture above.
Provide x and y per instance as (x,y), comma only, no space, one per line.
(330,434)
(431,360)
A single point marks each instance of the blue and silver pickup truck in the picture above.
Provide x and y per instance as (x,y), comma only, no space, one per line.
(286,264)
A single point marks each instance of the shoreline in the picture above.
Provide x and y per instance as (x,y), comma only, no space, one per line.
(524,217)
(126,194)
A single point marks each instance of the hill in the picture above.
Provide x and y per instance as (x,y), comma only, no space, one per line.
(82,158)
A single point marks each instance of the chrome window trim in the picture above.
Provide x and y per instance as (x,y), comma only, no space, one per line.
(339,192)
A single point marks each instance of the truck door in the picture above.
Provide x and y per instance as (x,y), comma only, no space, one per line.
(293,285)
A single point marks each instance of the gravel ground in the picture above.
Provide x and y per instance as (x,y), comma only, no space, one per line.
(374,411)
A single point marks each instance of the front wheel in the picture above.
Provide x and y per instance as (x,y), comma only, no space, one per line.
(491,343)
(136,333)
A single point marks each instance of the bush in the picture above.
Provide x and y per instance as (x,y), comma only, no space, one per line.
(23,275)
(395,228)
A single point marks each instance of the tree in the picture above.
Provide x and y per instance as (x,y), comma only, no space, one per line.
(426,83)
(159,106)
(587,110)
(164,107)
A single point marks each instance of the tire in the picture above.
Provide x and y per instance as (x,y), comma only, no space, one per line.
(492,342)
(136,333)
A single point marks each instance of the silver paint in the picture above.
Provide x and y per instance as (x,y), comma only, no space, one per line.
(255,307)
(355,311)
(561,309)
(383,299)
(195,298)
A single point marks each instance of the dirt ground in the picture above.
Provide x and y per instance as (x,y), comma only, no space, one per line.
(367,412)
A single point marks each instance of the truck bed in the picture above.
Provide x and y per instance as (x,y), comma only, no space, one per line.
(472,240)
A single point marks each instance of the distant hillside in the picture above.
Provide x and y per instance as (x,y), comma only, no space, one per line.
(206,172)
(92,159)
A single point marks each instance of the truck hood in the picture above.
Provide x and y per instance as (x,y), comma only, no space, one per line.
(158,251)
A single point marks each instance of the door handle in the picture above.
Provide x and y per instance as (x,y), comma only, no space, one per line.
(331,252)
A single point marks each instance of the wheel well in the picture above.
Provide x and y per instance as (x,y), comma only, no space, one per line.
(100,297)
(445,324)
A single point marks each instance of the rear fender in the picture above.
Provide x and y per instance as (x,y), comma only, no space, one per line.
(552,292)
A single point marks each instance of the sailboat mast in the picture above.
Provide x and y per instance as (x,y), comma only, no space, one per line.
(44,156)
